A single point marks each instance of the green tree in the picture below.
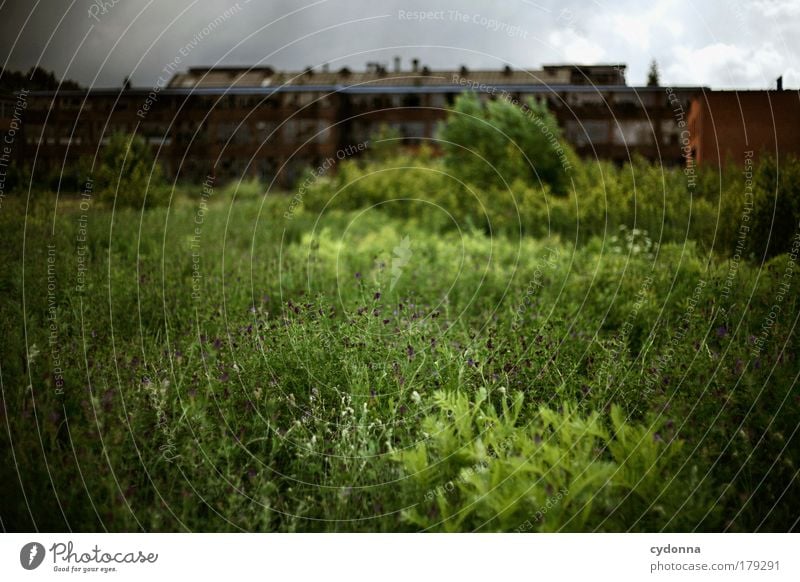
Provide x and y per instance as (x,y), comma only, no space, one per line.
(652,75)
(129,174)
(497,143)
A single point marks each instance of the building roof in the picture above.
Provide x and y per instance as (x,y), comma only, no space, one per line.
(241,77)
(264,80)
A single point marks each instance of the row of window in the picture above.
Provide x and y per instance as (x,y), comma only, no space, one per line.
(321,99)
(298,131)
(621,132)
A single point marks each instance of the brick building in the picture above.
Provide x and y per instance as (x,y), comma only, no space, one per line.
(724,124)
(235,121)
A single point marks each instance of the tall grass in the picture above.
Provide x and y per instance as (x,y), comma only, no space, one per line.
(383,365)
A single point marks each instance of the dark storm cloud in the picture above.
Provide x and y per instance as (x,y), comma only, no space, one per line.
(719,44)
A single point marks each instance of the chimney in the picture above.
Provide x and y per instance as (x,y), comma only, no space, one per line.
(397,64)
(780,83)
(415,65)
(325,68)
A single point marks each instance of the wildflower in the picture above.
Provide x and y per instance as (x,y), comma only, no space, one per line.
(722,331)
(410,352)
(415,397)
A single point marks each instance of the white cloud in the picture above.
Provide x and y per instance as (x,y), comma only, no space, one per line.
(734,65)
(716,43)
(572,47)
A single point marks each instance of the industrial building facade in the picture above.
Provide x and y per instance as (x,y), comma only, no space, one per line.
(233,122)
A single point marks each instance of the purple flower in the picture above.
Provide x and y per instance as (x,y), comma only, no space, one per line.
(410,352)
(358,275)
(722,331)
(377,296)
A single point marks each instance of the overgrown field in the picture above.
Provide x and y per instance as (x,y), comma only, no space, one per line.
(221,366)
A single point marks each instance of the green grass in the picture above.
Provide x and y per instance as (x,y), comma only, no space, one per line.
(364,372)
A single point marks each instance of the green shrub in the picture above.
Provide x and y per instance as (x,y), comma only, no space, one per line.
(480,470)
(128,175)
(495,144)
(776,206)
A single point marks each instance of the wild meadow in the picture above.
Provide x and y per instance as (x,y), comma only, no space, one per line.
(400,349)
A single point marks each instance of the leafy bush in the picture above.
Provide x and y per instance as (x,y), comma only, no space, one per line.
(561,470)
(128,175)
(493,145)
(776,206)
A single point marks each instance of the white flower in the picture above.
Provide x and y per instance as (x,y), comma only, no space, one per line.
(32,353)
(416,397)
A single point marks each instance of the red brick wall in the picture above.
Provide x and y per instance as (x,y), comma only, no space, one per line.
(725,124)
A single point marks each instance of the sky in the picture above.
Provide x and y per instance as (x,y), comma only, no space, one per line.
(717,44)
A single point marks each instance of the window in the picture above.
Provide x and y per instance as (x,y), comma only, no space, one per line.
(632,133)
(267,130)
(302,130)
(438,100)
(586,133)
